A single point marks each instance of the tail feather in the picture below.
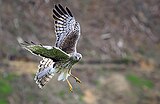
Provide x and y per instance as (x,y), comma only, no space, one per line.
(45,72)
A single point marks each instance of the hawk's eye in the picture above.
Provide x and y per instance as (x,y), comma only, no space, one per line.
(77,58)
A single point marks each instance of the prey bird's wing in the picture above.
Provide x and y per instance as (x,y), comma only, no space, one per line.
(67,29)
(53,53)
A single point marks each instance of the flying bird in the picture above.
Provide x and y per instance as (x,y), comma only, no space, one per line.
(60,58)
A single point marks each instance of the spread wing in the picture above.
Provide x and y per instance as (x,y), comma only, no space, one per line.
(53,53)
(66,28)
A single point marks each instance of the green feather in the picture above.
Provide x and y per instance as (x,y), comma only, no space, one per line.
(52,53)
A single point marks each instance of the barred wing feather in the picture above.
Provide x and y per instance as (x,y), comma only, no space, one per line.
(65,28)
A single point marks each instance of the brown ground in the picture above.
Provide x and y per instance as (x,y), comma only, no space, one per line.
(123,69)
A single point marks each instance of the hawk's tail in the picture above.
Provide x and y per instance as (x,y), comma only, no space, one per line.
(46,70)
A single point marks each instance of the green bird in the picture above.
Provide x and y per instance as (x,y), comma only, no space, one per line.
(60,58)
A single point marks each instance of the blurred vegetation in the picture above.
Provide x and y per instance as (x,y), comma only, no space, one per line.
(5,87)
(120,44)
(140,82)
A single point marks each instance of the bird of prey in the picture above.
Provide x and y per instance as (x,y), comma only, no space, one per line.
(63,55)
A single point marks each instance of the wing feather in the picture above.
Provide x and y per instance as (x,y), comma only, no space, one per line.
(59,10)
(63,10)
(53,53)
(46,71)
(57,14)
(69,12)
(65,28)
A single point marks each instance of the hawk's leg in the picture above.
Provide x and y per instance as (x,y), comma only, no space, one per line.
(70,86)
(77,79)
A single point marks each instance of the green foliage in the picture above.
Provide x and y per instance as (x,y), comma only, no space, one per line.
(5,87)
(10,77)
(61,94)
(3,101)
(139,82)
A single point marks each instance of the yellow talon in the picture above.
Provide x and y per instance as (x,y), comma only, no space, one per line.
(70,86)
(77,79)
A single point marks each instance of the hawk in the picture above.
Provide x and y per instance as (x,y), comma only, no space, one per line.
(60,58)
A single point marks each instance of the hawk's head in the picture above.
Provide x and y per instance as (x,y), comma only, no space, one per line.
(76,57)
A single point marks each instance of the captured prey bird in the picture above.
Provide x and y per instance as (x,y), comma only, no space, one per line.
(60,58)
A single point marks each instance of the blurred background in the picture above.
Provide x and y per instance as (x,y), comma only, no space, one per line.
(120,44)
